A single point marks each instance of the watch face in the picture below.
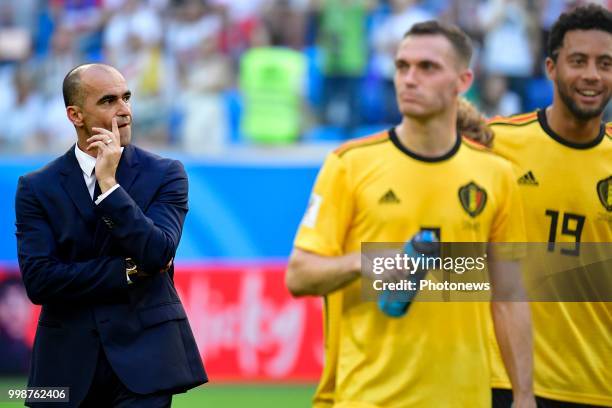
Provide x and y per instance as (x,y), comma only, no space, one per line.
(130,265)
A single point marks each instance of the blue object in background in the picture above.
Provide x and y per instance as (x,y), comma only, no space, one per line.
(539,94)
(396,303)
(236,211)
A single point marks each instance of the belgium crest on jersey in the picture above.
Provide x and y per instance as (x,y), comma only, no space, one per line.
(473,198)
(604,191)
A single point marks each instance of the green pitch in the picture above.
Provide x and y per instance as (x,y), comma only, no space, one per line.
(252,396)
(226,396)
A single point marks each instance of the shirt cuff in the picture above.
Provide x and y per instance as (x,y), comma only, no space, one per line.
(108,192)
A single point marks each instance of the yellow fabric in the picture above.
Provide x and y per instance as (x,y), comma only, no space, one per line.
(436,354)
(572,341)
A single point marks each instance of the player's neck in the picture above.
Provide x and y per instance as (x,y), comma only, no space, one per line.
(431,138)
(570,128)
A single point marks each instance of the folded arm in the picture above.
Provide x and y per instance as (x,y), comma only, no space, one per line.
(152,237)
(47,279)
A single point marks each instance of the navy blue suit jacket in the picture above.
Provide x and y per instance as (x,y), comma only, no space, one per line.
(72,259)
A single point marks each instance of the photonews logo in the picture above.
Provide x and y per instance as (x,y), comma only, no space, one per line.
(604,190)
(473,198)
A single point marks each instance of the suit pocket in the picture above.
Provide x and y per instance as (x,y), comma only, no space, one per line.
(161,313)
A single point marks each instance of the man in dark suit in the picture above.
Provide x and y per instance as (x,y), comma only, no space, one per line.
(97,230)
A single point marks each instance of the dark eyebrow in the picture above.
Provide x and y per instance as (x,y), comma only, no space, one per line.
(106,98)
(428,61)
(577,54)
(111,98)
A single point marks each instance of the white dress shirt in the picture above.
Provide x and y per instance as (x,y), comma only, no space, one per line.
(88,165)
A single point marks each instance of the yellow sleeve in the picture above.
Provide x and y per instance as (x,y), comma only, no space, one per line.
(328,217)
(509,222)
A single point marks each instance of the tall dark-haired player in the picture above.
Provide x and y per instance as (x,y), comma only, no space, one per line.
(385,188)
(563,164)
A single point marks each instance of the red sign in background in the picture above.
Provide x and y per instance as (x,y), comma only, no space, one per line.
(245,322)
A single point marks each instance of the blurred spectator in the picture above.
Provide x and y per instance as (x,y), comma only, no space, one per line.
(20,130)
(202,73)
(57,131)
(205,123)
(462,14)
(241,19)
(344,47)
(24,13)
(192,22)
(14,319)
(181,57)
(15,47)
(85,20)
(386,37)
(15,38)
(548,12)
(496,98)
(134,21)
(132,43)
(508,22)
(285,20)
(272,84)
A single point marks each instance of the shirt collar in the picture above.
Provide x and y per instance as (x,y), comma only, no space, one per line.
(86,162)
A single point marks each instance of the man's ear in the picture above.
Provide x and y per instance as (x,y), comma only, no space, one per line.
(551,68)
(464,81)
(75,115)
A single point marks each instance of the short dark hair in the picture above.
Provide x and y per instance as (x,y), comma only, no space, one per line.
(459,40)
(71,87)
(588,17)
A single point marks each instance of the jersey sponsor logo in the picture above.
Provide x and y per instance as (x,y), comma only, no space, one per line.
(314,204)
(604,190)
(473,198)
(528,179)
(389,198)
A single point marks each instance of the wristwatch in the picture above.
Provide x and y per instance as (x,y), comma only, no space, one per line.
(131,270)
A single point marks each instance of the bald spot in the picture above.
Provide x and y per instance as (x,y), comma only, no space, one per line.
(79,81)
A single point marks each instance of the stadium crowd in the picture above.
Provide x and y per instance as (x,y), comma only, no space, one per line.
(207,74)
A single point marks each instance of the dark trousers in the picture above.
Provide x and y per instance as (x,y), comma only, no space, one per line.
(107,391)
(503,399)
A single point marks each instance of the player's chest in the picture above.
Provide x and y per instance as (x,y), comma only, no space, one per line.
(583,187)
(454,198)
(566,198)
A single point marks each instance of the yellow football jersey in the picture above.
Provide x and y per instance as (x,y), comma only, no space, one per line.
(567,197)
(375,190)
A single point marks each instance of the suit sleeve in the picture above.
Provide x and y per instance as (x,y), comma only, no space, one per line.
(152,237)
(46,278)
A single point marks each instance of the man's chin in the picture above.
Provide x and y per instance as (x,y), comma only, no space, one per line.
(417,114)
(125,136)
(583,113)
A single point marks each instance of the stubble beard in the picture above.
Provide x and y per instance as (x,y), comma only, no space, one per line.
(578,112)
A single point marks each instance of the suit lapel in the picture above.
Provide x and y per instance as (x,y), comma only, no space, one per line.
(73,183)
(128,168)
